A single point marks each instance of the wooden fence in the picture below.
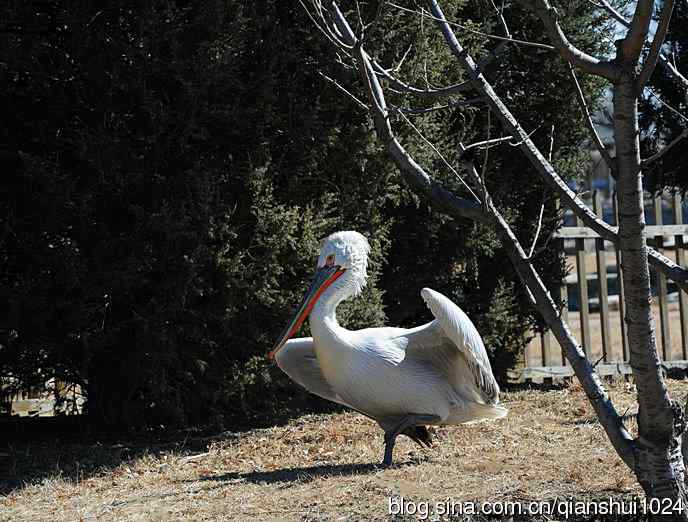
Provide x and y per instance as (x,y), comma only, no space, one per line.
(39,401)
(593,297)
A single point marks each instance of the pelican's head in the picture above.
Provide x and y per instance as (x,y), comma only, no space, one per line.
(341,272)
(348,252)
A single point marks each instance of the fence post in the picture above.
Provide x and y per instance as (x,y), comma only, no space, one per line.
(662,285)
(545,347)
(620,285)
(583,304)
(564,294)
(681,260)
(601,258)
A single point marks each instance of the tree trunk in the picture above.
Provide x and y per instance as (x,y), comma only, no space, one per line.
(658,464)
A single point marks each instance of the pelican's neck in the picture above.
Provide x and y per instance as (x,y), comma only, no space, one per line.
(323,317)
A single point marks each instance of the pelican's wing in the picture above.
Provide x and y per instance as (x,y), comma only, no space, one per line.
(452,342)
(297,359)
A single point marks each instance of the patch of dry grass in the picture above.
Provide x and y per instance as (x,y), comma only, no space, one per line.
(322,467)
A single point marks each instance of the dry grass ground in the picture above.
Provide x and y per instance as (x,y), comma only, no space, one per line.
(322,467)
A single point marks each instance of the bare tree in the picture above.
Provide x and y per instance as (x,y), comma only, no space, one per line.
(655,455)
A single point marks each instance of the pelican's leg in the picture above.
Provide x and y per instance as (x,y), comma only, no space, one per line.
(406,422)
(390,438)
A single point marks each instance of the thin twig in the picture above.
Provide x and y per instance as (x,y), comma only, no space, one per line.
(589,123)
(487,144)
(344,90)
(448,165)
(500,14)
(657,155)
(474,31)
(328,34)
(424,93)
(526,137)
(195,457)
(403,58)
(665,104)
(603,4)
(537,232)
(484,62)
(425,110)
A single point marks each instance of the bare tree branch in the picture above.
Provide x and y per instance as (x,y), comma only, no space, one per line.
(425,110)
(637,33)
(542,166)
(677,76)
(610,9)
(502,20)
(481,33)
(585,372)
(344,90)
(492,55)
(412,172)
(665,104)
(666,63)
(486,144)
(657,155)
(439,154)
(322,25)
(591,126)
(399,85)
(657,42)
(537,232)
(548,16)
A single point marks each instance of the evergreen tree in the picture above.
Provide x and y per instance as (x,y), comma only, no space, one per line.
(170,170)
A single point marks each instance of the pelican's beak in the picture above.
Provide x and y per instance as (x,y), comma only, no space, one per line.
(323,278)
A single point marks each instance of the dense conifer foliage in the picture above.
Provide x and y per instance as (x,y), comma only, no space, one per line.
(168,170)
(659,120)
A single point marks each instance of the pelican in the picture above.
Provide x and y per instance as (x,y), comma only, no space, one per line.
(404,379)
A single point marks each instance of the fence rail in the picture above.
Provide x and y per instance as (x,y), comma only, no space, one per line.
(593,296)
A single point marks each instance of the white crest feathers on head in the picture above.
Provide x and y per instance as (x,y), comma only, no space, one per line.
(354,248)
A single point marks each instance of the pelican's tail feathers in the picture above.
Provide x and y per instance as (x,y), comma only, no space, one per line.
(475,411)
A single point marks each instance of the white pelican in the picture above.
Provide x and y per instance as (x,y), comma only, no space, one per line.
(436,374)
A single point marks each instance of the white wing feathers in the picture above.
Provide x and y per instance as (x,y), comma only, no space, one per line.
(460,330)
(298,360)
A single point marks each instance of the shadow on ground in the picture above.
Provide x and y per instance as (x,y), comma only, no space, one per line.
(34,449)
(299,474)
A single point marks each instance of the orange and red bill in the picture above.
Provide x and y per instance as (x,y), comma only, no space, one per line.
(323,278)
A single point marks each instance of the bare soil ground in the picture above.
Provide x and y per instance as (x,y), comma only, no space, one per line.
(323,467)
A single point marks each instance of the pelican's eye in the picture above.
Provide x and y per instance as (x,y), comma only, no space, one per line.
(329,260)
